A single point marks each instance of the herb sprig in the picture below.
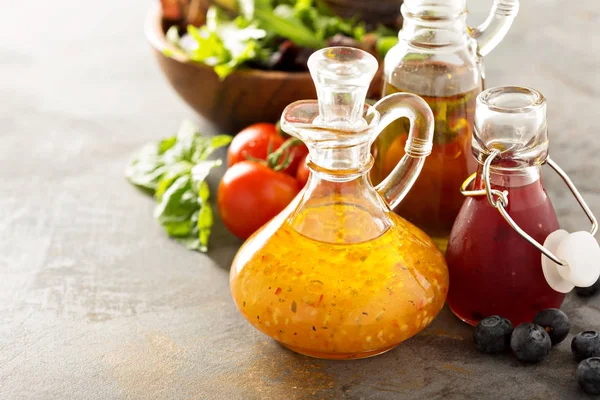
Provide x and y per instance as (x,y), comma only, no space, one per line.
(174,171)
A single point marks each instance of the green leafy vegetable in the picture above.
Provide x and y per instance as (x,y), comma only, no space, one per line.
(251,37)
(283,21)
(385,43)
(174,171)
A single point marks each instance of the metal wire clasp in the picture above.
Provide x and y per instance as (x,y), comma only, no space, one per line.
(499,200)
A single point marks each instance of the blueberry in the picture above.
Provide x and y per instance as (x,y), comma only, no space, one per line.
(586,345)
(492,334)
(588,291)
(588,375)
(530,343)
(555,322)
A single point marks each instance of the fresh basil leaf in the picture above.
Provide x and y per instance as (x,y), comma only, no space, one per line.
(178,229)
(172,173)
(186,140)
(205,216)
(191,243)
(185,144)
(177,203)
(201,170)
(219,141)
(203,193)
(204,146)
(166,144)
(146,166)
(146,179)
(174,170)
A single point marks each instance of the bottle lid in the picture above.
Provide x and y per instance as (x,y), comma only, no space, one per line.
(342,76)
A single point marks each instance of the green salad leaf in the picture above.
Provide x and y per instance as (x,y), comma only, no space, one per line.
(284,22)
(174,171)
(256,30)
(385,43)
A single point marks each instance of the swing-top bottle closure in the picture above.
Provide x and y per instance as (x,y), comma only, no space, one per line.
(511,134)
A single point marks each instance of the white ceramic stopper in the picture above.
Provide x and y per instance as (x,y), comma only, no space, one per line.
(581,253)
(550,268)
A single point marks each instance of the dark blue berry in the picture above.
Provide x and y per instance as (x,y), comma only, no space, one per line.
(492,334)
(530,343)
(586,345)
(588,375)
(555,322)
(588,291)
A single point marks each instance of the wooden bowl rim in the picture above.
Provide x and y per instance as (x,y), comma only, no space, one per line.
(156,37)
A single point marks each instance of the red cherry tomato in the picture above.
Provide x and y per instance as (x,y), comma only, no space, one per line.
(302,173)
(254,142)
(250,194)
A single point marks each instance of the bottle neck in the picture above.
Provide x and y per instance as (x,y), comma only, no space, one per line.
(503,179)
(434,26)
(339,163)
(338,206)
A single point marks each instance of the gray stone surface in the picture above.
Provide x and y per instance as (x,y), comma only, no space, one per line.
(95,301)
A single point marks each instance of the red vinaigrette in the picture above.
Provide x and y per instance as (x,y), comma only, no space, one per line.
(493,270)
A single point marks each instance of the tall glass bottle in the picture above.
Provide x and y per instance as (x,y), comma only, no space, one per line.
(438,58)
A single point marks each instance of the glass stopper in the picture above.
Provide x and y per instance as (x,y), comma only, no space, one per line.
(342,76)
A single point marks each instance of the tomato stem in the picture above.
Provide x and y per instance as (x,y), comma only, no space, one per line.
(281,158)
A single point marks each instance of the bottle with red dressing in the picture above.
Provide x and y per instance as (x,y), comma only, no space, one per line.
(495,256)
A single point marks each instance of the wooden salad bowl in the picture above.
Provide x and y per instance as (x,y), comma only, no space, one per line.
(243,98)
(372,12)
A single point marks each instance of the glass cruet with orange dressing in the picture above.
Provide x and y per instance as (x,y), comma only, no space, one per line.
(337,274)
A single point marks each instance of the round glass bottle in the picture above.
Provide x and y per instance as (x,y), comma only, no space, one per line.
(337,274)
(438,57)
(494,271)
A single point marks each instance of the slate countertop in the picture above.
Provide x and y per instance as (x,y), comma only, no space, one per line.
(95,301)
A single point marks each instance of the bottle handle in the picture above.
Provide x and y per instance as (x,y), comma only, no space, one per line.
(418,146)
(491,32)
